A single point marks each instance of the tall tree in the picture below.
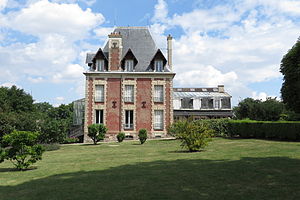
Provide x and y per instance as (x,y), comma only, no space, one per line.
(290,68)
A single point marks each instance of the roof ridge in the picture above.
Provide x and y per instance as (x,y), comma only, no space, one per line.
(131,27)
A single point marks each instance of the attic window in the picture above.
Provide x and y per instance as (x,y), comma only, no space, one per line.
(215,90)
(158,65)
(192,89)
(129,65)
(100,65)
(204,89)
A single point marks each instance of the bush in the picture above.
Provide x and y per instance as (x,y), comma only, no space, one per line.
(218,126)
(193,135)
(143,135)
(281,130)
(97,132)
(70,140)
(121,137)
(21,148)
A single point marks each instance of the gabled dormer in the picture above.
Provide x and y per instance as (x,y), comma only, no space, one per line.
(158,62)
(129,61)
(100,62)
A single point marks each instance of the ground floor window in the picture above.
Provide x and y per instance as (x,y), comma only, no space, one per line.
(128,119)
(99,117)
(158,119)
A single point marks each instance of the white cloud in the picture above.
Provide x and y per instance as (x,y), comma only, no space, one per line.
(43,18)
(59,98)
(103,32)
(3,4)
(9,84)
(259,96)
(160,11)
(234,44)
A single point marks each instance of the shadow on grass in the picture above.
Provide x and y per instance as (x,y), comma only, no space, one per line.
(17,170)
(247,178)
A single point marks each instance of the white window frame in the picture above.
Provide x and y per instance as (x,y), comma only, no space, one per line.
(158,93)
(129,93)
(158,65)
(99,93)
(130,119)
(158,120)
(129,65)
(100,65)
(100,117)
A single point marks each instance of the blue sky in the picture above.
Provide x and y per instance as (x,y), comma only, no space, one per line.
(238,43)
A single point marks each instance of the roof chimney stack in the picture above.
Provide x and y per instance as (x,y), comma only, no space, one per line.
(221,88)
(169,48)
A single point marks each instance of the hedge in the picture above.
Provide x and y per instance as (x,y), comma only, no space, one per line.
(282,130)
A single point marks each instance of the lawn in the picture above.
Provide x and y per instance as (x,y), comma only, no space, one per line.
(227,169)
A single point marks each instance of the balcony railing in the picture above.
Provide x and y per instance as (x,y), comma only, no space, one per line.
(128,126)
(158,99)
(128,99)
(158,126)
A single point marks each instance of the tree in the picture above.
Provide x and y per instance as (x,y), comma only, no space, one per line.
(21,148)
(290,68)
(269,110)
(97,132)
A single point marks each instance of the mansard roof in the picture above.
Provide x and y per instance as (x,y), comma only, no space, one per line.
(198,92)
(140,42)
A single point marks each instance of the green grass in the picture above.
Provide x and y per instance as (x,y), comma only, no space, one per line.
(227,169)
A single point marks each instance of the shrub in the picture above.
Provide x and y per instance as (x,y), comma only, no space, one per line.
(21,148)
(218,126)
(70,140)
(97,132)
(193,135)
(281,130)
(121,137)
(143,135)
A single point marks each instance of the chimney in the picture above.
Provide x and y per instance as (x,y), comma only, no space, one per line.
(221,88)
(115,51)
(169,48)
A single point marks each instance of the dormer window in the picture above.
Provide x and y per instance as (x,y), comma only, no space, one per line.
(158,65)
(99,65)
(129,65)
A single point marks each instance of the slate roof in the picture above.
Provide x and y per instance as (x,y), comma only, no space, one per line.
(198,92)
(141,43)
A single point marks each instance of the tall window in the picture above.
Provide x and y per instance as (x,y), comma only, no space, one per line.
(99,93)
(158,65)
(158,119)
(129,65)
(129,93)
(187,103)
(128,119)
(158,93)
(99,65)
(99,117)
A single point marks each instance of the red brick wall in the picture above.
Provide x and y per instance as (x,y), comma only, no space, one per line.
(114,59)
(113,114)
(168,105)
(90,101)
(143,115)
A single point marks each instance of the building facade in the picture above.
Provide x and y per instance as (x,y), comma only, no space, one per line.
(129,85)
(201,103)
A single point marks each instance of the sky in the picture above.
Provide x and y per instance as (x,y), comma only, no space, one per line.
(237,43)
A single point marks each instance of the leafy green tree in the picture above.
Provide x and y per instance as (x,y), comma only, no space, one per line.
(97,132)
(143,135)
(21,148)
(290,68)
(269,110)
